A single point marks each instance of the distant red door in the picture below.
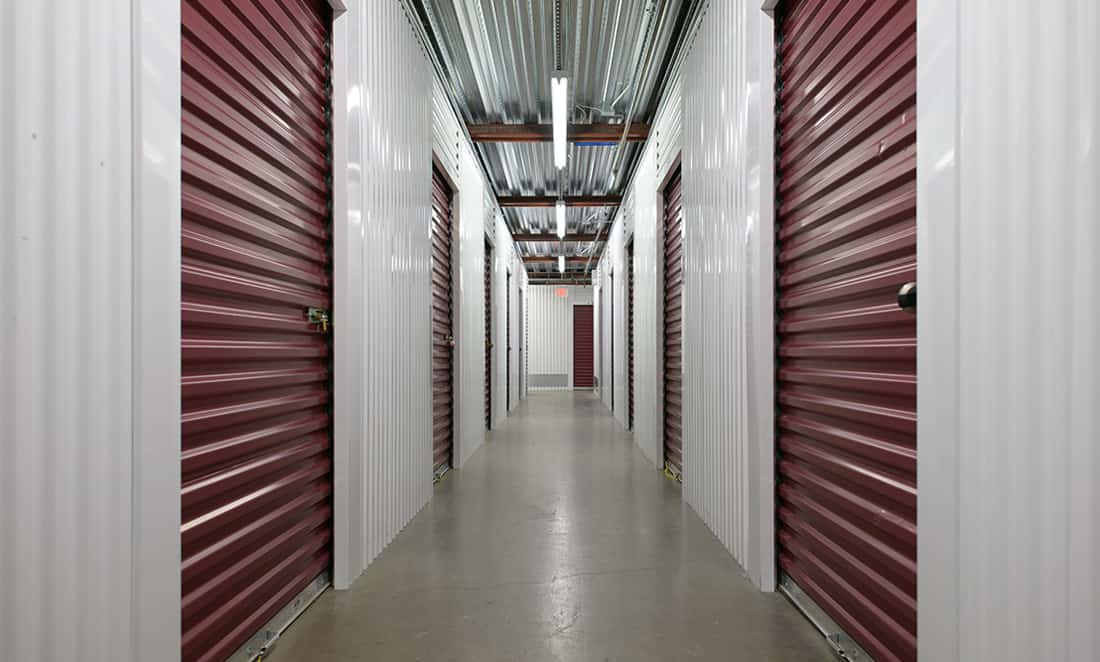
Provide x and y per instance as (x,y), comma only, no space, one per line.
(582,347)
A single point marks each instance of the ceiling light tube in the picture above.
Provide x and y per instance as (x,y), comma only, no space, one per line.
(561,264)
(558,96)
(559,208)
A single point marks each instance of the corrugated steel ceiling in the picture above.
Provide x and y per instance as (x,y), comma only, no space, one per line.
(500,56)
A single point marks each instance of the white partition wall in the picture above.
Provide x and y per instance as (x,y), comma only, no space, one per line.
(472,206)
(550,334)
(642,217)
(1008,367)
(89,333)
(506,261)
(728,283)
(383,397)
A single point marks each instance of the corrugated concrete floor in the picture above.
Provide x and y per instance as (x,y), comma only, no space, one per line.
(556,541)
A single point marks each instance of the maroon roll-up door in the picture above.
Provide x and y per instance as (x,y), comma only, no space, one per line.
(673,316)
(442,333)
(256,424)
(630,334)
(846,195)
(583,376)
(488,336)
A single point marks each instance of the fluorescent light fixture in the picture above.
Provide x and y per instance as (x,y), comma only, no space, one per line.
(558,96)
(559,208)
(561,264)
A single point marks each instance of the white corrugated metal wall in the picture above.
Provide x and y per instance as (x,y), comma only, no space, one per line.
(383,398)
(640,217)
(597,332)
(516,328)
(616,255)
(551,333)
(505,260)
(523,294)
(728,310)
(1008,228)
(473,203)
(608,326)
(89,330)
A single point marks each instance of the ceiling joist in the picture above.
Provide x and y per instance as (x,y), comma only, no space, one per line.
(572,280)
(569,259)
(536,237)
(544,133)
(550,201)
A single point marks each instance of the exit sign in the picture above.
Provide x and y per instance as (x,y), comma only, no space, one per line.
(562,292)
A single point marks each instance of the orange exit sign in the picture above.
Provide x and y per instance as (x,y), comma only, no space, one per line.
(562,292)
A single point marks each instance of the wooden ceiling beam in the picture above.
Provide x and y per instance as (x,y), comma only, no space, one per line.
(544,133)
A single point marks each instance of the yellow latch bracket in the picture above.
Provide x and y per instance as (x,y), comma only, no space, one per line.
(318,316)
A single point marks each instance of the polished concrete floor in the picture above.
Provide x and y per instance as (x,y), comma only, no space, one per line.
(556,541)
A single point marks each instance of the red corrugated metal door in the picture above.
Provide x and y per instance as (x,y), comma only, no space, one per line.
(256,466)
(442,332)
(846,195)
(673,335)
(630,334)
(488,336)
(582,347)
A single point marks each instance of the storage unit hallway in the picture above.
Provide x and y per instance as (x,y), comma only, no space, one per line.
(557,541)
(549,330)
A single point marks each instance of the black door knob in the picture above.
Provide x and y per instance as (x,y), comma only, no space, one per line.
(907,298)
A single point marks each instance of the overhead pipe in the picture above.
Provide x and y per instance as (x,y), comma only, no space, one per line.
(691,24)
(644,56)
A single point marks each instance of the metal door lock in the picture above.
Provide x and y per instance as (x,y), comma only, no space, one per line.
(907,298)
(318,316)
(450,341)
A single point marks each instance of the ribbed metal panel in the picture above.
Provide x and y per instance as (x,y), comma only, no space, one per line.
(672,229)
(728,283)
(582,346)
(257,484)
(846,200)
(505,319)
(447,137)
(606,322)
(630,334)
(640,215)
(1008,223)
(488,289)
(502,53)
(550,332)
(469,298)
(67,419)
(442,327)
(385,406)
(509,348)
(500,56)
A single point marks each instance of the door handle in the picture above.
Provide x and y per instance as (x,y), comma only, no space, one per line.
(319,317)
(907,298)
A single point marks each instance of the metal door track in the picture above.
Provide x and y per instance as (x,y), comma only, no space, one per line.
(843,645)
(263,641)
